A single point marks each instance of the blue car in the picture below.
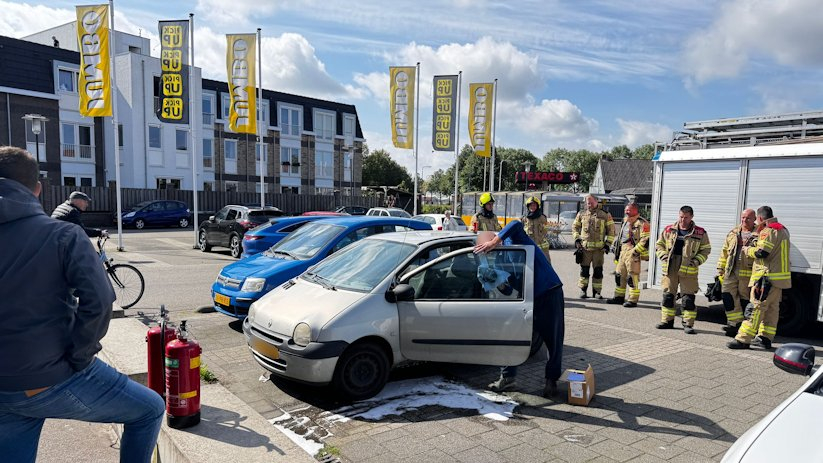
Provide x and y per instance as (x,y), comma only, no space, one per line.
(266,235)
(247,280)
(160,212)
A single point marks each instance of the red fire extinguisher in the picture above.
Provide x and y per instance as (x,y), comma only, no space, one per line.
(157,351)
(182,380)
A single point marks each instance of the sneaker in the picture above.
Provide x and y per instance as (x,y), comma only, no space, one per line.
(735,344)
(731,330)
(616,300)
(583,294)
(630,304)
(550,389)
(689,330)
(503,384)
(665,325)
(760,341)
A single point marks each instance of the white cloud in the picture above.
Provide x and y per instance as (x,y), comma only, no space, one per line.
(637,133)
(551,119)
(786,32)
(21,19)
(235,14)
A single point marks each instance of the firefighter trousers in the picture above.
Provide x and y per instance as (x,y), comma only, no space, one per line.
(735,297)
(628,267)
(764,315)
(688,288)
(591,258)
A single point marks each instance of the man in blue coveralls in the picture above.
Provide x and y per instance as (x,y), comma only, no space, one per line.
(548,306)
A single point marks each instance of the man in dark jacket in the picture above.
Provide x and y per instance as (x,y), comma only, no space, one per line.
(57,307)
(71,210)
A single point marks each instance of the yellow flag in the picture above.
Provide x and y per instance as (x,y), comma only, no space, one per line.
(95,61)
(241,63)
(401,84)
(481,109)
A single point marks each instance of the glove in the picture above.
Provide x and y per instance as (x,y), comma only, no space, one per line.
(104,234)
(578,243)
(605,248)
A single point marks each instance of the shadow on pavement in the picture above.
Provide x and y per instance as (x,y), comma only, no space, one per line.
(227,426)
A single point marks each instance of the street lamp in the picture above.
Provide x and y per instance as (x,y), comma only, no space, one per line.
(36,127)
(500,176)
(528,166)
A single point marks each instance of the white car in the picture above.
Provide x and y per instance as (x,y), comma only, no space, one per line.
(392,298)
(790,432)
(388,212)
(436,221)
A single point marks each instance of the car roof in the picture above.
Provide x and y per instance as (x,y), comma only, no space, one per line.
(350,220)
(422,236)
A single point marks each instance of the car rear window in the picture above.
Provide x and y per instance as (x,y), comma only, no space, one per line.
(459,221)
(263,216)
(398,213)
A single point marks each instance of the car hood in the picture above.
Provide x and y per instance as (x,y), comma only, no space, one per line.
(295,301)
(262,266)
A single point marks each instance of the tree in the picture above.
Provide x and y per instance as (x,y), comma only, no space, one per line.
(643,152)
(380,169)
(513,160)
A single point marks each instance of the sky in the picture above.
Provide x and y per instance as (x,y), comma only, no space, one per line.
(590,74)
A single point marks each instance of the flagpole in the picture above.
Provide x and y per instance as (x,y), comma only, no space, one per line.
(113,74)
(259,107)
(192,128)
(416,131)
(494,146)
(457,141)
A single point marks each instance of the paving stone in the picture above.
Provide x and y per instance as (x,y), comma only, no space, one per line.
(362,449)
(388,433)
(574,453)
(703,447)
(431,455)
(479,455)
(526,453)
(658,448)
(406,445)
(497,440)
(615,450)
(452,443)
(539,438)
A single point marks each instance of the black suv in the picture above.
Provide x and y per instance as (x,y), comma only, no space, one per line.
(227,227)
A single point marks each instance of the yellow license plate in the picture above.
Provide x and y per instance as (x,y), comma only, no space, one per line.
(221,299)
(264,348)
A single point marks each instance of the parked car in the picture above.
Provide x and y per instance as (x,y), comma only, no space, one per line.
(436,221)
(790,432)
(264,236)
(393,298)
(241,283)
(326,213)
(566,220)
(388,212)
(228,225)
(352,210)
(159,212)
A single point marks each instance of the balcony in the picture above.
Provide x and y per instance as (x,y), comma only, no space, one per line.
(72,151)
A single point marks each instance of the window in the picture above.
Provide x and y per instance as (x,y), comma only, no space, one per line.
(154,136)
(85,181)
(69,181)
(261,148)
(323,164)
(231,149)
(225,109)
(323,125)
(76,141)
(290,121)
(230,154)
(232,214)
(168,184)
(67,80)
(208,153)
(231,186)
(348,129)
(347,159)
(458,278)
(324,191)
(181,139)
(120,135)
(290,189)
(208,186)
(263,114)
(208,110)
(290,161)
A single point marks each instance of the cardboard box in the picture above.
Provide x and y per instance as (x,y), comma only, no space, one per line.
(581,385)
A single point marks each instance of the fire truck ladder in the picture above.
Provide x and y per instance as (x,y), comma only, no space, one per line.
(752,130)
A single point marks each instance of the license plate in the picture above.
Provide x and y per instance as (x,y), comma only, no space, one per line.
(264,348)
(221,299)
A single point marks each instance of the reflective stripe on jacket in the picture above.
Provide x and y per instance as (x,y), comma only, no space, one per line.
(729,255)
(594,227)
(774,239)
(485,223)
(696,249)
(538,231)
(638,233)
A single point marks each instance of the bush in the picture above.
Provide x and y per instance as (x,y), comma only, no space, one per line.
(436,208)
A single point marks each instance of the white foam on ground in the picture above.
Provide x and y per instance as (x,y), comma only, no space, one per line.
(310,446)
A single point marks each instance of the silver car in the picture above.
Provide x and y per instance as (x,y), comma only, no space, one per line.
(391,298)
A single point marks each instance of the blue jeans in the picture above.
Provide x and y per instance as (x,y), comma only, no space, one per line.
(549,321)
(97,394)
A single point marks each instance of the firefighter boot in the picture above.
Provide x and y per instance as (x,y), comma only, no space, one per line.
(630,304)
(550,389)
(616,300)
(760,341)
(504,383)
(731,330)
(735,344)
(665,325)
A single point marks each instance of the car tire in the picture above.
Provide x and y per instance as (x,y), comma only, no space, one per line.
(183,222)
(361,372)
(202,242)
(793,310)
(537,343)
(139,224)
(235,246)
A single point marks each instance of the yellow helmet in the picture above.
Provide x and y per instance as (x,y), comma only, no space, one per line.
(533,199)
(486,198)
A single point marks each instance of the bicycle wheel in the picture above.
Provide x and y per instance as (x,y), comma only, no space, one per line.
(128,284)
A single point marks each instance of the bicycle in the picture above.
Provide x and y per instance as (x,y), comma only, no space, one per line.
(127,281)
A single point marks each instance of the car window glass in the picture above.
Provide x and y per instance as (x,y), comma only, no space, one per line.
(154,207)
(170,205)
(308,241)
(232,214)
(221,214)
(457,278)
(459,221)
(292,228)
(361,266)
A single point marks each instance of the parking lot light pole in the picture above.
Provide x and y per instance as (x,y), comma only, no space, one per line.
(528,166)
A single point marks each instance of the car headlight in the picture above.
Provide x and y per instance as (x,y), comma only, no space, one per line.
(253,285)
(250,315)
(302,334)
(129,215)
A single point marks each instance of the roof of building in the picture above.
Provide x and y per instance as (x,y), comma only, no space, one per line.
(28,65)
(620,174)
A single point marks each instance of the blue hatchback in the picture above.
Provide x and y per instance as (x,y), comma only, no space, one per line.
(245,281)
(266,235)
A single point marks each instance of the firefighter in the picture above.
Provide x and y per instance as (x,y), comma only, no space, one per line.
(734,269)
(771,274)
(682,248)
(536,225)
(631,246)
(593,233)
(485,220)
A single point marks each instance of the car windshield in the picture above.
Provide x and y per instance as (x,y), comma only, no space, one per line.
(307,241)
(360,266)
(398,213)
(139,206)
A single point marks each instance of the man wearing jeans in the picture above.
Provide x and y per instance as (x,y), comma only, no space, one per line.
(56,307)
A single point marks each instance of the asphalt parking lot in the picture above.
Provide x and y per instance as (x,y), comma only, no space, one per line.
(660,395)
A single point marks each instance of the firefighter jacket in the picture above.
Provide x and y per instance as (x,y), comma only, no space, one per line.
(696,249)
(773,239)
(731,258)
(633,237)
(538,231)
(485,223)
(595,228)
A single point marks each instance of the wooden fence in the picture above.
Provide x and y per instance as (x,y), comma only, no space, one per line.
(104,199)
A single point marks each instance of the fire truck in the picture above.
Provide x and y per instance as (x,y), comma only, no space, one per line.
(720,167)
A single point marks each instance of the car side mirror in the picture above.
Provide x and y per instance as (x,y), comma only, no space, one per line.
(795,358)
(400,293)
(211,218)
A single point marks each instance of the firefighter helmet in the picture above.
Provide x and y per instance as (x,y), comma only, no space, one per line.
(486,198)
(532,199)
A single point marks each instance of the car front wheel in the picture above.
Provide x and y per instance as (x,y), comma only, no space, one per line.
(202,242)
(139,224)
(361,372)
(235,247)
(183,222)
